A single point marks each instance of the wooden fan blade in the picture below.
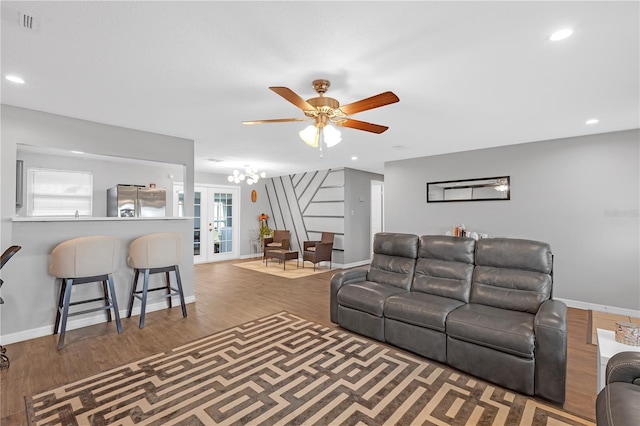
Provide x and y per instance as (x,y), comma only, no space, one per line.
(376,101)
(275,120)
(362,125)
(292,97)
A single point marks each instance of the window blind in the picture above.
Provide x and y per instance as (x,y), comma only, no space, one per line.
(59,192)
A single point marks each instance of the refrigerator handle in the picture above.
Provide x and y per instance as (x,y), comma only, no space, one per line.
(137,204)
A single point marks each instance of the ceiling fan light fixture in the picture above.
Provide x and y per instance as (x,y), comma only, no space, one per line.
(331,136)
(308,135)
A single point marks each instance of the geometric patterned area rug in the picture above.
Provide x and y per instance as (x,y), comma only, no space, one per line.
(285,370)
(275,268)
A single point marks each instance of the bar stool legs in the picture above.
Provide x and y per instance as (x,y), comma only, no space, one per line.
(142,294)
(64,302)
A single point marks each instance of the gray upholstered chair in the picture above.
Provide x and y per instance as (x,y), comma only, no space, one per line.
(81,261)
(153,254)
(318,251)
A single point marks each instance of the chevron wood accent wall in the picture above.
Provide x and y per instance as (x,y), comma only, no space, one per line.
(308,204)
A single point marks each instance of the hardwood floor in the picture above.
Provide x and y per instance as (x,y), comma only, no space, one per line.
(226,296)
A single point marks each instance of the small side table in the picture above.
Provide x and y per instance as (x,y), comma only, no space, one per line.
(281,255)
(608,347)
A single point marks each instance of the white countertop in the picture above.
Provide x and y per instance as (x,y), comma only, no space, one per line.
(92,219)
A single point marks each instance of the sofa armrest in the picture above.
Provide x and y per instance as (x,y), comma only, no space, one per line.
(268,240)
(338,280)
(285,244)
(624,367)
(550,328)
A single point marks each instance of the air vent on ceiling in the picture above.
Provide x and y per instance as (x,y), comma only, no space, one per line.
(26,21)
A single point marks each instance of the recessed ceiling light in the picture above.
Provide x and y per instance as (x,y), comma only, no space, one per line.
(592,121)
(561,35)
(15,79)
(354,158)
(77,152)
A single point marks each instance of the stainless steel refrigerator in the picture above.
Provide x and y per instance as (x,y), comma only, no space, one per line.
(136,201)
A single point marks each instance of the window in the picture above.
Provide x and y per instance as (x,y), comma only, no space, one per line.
(59,192)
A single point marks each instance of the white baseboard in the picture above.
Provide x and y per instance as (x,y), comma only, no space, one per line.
(333,265)
(251,256)
(351,265)
(600,308)
(85,322)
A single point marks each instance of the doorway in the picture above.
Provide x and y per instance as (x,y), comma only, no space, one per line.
(215,221)
(377,209)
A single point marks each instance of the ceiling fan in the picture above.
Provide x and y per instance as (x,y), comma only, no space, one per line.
(326,111)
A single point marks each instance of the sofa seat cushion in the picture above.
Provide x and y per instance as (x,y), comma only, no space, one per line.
(500,329)
(421,309)
(366,296)
(274,244)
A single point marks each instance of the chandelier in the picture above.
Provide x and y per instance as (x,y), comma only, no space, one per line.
(251,175)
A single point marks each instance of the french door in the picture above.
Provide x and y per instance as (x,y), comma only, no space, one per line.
(215,222)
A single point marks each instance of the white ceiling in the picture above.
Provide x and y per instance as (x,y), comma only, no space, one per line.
(468,74)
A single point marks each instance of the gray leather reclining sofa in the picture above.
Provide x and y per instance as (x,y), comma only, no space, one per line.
(482,307)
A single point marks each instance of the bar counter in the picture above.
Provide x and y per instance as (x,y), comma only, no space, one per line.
(31,294)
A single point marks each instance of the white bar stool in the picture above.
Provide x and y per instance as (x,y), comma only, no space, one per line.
(152,254)
(80,261)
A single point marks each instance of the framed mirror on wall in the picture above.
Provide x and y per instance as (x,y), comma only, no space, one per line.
(482,189)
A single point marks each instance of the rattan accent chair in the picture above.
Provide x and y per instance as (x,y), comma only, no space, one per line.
(279,241)
(318,251)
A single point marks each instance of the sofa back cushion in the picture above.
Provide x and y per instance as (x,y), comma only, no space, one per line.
(394,259)
(445,266)
(512,274)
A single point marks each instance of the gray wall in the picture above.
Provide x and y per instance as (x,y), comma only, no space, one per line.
(106,174)
(50,131)
(581,195)
(357,210)
(307,204)
(312,202)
